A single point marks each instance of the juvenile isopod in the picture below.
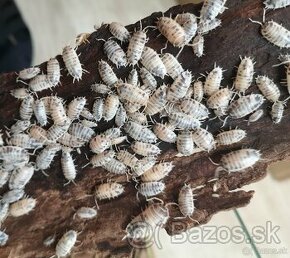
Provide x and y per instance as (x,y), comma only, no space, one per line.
(49,240)
(111,105)
(256,116)
(40,112)
(276,4)
(86,213)
(132,93)
(213,81)
(115,53)
(19,93)
(157,172)
(98,109)
(45,157)
(72,63)
(53,71)
(133,77)
(198,45)
(148,79)
(28,73)
(145,149)
(240,159)
(66,243)
(153,63)
(22,207)
(157,101)
(12,196)
(179,87)
(20,177)
(82,38)
(165,132)
(183,121)
(198,91)
(139,132)
(173,67)
(100,88)
(185,144)
(205,27)
(211,9)
(268,88)
(245,75)
(75,107)
(107,74)
(245,105)
(119,31)
(203,139)
(121,116)
(20,126)
(100,143)
(136,47)
(186,201)
(149,189)
(109,190)
(230,137)
(26,108)
(68,166)
(277,111)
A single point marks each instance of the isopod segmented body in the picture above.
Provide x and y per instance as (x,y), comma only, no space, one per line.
(139,132)
(230,137)
(40,112)
(157,172)
(3,238)
(24,141)
(19,93)
(206,26)
(213,81)
(38,133)
(115,166)
(132,93)
(65,244)
(39,83)
(148,79)
(98,109)
(188,22)
(127,158)
(186,201)
(245,105)
(240,159)
(275,4)
(22,207)
(100,88)
(75,107)
(111,106)
(53,71)
(183,121)
(179,87)
(149,189)
(256,115)
(277,111)
(136,47)
(20,126)
(28,73)
(72,63)
(185,144)
(57,131)
(245,75)
(26,108)
(107,74)
(145,149)
(165,132)
(100,143)
(194,109)
(109,190)
(153,63)
(20,177)
(115,53)
(198,45)
(203,139)
(268,88)
(86,213)
(198,91)
(220,99)
(12,196)
(211,9)
(173,67)
(13,154)
(58,112)
(102,158)
(68,166)
(121,116)
(157,101)
(143,165)
(138,117)
(133,77)
(172,31)
(119,31)
(45,157)
(4,176)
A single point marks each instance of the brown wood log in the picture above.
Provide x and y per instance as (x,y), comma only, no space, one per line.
(101,237)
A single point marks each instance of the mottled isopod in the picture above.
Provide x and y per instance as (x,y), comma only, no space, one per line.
(22,207)
(185,145)
(183,121)
(230,137)
(139,132)
(20,177)
(173,67)
(75,107)
(53,71)
(275,4)
(109,190)
(211,9)
(198,45)
(66,243)
(26,108)
(40,112)
(149,189)
(165,132)
(100,143)
(245,75)
(145,149)
(268,88)
(28,73)
(115,53)
(111,106)
(213,81)
(132,93)
(157,101)
(157,172)
(136,47)
(72,63)
(107,74)
(203,139)
(119,31)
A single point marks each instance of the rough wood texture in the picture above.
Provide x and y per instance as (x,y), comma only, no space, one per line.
(101,237)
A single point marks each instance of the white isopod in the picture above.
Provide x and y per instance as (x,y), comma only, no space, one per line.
(245,75)
(66,243)
(20,126)
(165,132)
(115,166)
(213,81)
(40,112)
(75,107)
(28,73)
(149,189)
(198,45)
(107,74)
(136,46)
(88,123)
(22,207)
(4,176)
(157,172)
(240,159)
(268,88)
(185,144)
(230,137)
(157,101)
(25,141)
(145,149)
(108,190)
(127,158)
(87,114)
(53,71)
(13,154)
(203,139)
(98,109)
(58,111)
(194,108)
(26,108)
(19,93)
(100,88)
(4,209)
(205,27)
(86,213)
(68,166)
(38,133)
(198,91)
(82,132)
(211,9)
(56,131)
(143,165)
(220,99)
(276,4)
(277,111)
(39,83)
(183,121)
(186,201)
(132,93)
(100,143)
(138,117)
(139,132)
(173,67)
(179,87)
(20,177)
(188,22)
(115,53)
(100,159)
(148,79)
(133,77)
(72,63)
(12,196)
(245,105)
(153,63)
(111,105)
(121,116)
(256,116)
(119,31)
(3,238)
(45,157)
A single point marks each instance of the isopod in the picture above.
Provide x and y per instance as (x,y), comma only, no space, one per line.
(20,126)
(145,149)
(20,177)
(148,79)
(98,109)
(115,53)
(136,47)
(277,111)
(205,27)
(24,141)
(245,105)
(28,73)
(22,207)
(66,243)
(121,116)
(165,132)
(19,93)
(38,133)
(157,172)
(268,88)
(194,108)
(49,240)
(12,196)
(153,63)
(198,91)
(57,131)
(88,123)
(256,116)
(111,105)
(3,238)
(276,4)
(72,63)
(26,108)
(4,177)
(138,117)
(119,31)
(127,158)
(82,38)
(188,22)
(109,190)
(139,132)
(183,121)
(213,81)
(133,77)
(39,83)
(75,107)
(45,157)
(157,101)
(230,137)
(132,93)
(107,74)
(203,139)
(86,213)
(87,114)
(4,209)
(211,9)
(115,166)
(82,132)
(58,112)
(198,45)
(185,144)
(13,154)
(173,67)
(68,166)
(149,189)
(245,75)
(100,88)
(186,201)
(100,143)
(220,99)
(40,112)
(53,71)
(101,159)
(240,159)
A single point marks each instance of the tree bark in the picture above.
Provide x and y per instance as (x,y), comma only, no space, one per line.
(101,237)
